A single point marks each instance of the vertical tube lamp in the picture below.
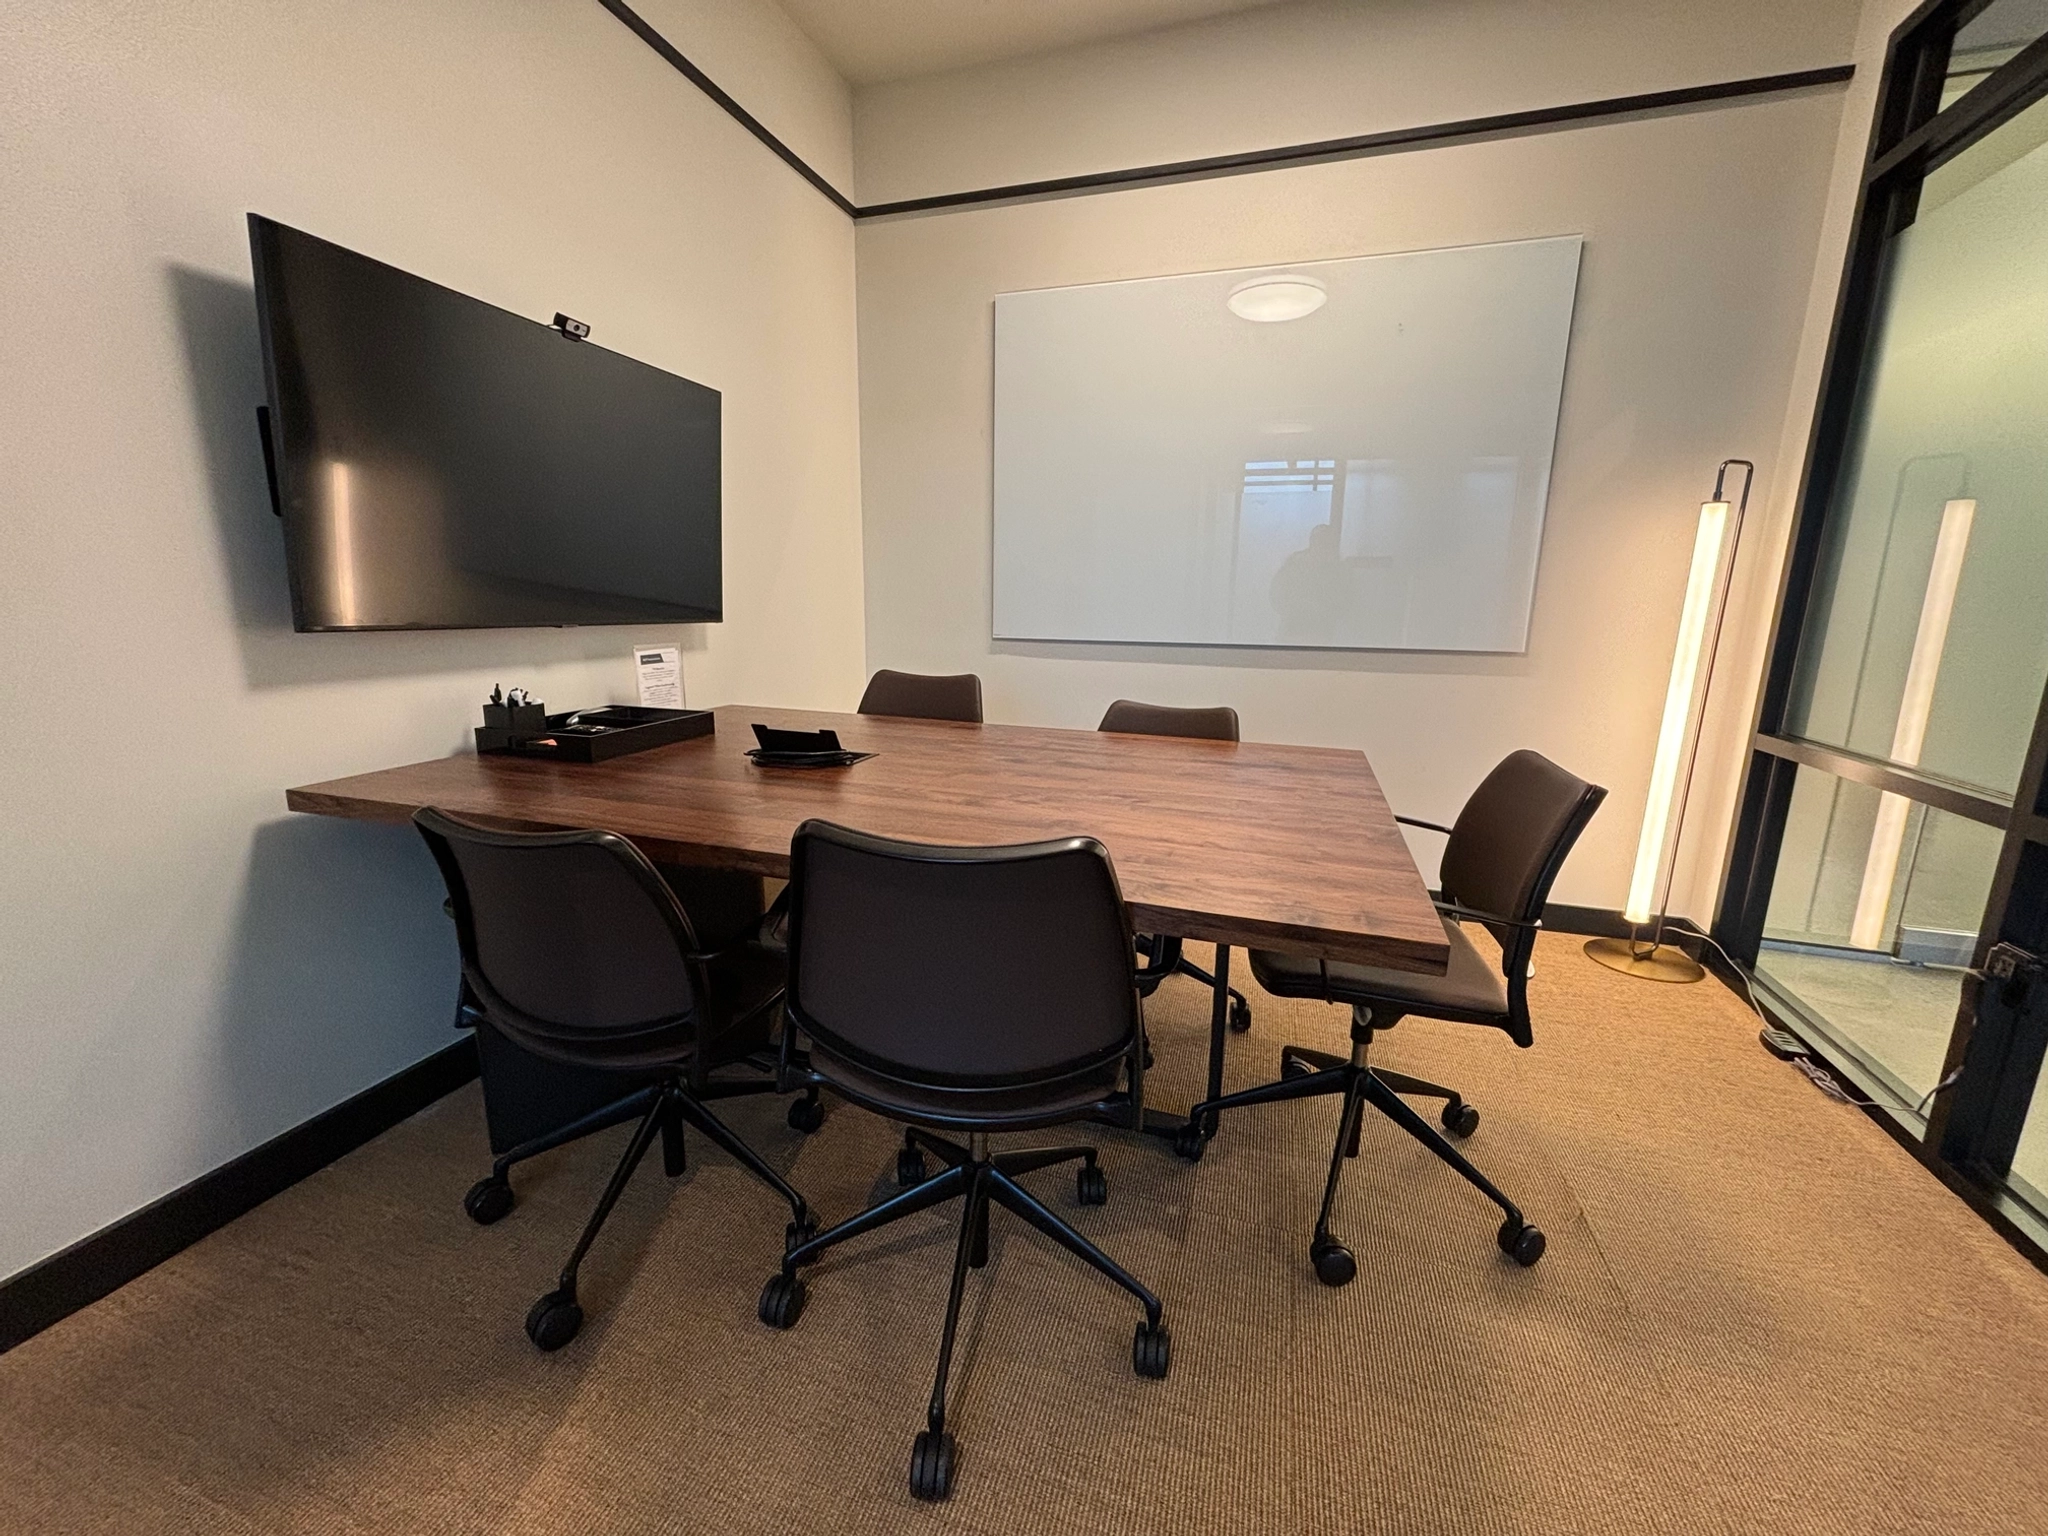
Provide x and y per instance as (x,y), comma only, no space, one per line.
(1692,667)
(1700,590)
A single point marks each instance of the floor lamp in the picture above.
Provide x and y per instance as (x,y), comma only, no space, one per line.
(1692,671)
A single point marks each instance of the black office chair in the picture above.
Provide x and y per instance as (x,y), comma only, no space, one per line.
(907,696)
(575,950)
(918,696)
(1131,718)
(1163,957)
(1506,849)
(912,1012)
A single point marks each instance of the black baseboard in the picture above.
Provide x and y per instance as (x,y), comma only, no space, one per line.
(1608,923)
(1593,922)
(97,1265)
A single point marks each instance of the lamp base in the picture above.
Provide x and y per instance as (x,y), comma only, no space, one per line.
(1661,962)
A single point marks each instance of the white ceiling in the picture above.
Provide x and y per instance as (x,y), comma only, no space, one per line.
(869,41)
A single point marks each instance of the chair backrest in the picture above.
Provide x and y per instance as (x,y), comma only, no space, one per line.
(960,967)
(918,696)
(1508,844)
(570,941)
(1135,719)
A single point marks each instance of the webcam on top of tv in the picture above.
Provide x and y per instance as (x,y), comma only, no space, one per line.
(575,330)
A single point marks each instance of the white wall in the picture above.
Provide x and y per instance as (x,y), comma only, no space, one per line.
(188,969)
(1319,69)
(1724,750)
(754,53)
(1702,231)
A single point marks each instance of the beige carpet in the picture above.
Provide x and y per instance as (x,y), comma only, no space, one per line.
(1757,1314)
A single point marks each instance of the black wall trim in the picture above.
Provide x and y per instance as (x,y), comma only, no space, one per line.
(1534,120)
(739,114)
(100,1264)
(1376,143)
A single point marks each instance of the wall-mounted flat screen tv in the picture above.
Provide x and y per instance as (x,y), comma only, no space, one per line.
(444,464)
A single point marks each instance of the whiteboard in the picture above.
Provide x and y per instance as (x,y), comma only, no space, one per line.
(1370,475)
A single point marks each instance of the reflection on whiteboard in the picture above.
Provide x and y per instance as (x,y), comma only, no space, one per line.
(1367,473)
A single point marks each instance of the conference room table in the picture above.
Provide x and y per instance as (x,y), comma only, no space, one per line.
(1236,843)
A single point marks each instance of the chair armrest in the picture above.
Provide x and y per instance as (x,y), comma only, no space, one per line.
(1433,826)
(1161,953)
(775,909)
(1463,914)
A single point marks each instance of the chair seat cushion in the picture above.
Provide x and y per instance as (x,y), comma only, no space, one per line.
(991,1108)
(1472,990)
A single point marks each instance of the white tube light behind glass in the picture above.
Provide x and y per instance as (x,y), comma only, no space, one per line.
(1687,665)
(1909,736)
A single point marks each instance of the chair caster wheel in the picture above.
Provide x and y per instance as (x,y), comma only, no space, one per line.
(1152,1351)
(806,1115)
(796,1233)
(931,1465)
(1521,1241)
(1240,1015)
(1189,1143)
(1460,1119)
(1091,1185)
(553,1320)
(488,1200)
(1334,1263)
(1292,1065)
(782,1300)
(910,1169)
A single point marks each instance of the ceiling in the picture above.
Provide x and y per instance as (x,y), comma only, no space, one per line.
(870,41)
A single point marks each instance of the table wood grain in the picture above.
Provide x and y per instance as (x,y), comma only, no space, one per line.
(1279,847)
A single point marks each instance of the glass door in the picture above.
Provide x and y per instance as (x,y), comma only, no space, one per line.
(1992,1127)
(1880,856)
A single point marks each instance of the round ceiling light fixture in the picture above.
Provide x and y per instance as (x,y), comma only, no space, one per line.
(1277,296)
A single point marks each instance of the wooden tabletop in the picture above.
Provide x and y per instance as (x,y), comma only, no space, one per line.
(1276,847)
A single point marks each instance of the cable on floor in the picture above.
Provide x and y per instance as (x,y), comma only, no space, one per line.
(1786,1046)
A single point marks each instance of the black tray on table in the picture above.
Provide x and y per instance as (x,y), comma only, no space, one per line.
(594,735)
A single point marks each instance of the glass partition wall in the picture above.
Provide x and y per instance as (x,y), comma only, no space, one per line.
(1881,890)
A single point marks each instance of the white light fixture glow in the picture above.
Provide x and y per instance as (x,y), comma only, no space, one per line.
(341,521)
(1909,736)
(1284,296)
(1679,698)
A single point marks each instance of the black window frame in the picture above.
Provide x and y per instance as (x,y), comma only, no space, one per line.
(1967,1137)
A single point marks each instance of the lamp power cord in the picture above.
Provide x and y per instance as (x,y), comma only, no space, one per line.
(1787,1046)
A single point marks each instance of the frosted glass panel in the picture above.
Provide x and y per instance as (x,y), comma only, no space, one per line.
(1948,454)
(1370,474)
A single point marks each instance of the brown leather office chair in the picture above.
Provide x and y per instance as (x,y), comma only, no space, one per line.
(575,950)
(913,1012)
(1131,718)
(920,696)
(1505,851)
(1163,957)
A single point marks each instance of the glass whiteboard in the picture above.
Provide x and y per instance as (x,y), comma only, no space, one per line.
(1368,474)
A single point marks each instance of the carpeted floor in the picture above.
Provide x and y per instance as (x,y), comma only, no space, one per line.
(1757,1314)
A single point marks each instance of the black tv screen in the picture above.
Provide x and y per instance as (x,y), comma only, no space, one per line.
(445,464)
